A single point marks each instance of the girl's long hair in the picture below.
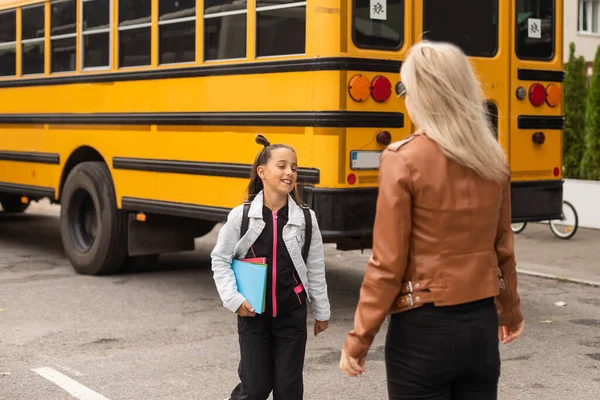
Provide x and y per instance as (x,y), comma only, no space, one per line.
(447,104)
(262,158)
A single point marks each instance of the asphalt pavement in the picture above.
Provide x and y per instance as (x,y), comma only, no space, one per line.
(165,334)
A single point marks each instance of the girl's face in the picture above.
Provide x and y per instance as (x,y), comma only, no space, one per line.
(280,173)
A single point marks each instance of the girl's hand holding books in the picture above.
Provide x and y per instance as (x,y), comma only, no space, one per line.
(246,310)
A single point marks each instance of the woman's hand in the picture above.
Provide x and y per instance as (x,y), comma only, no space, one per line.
(246,310)
(320,326)
(352,366)
(508,334)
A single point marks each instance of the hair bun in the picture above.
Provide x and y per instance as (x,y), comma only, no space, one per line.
(260,139)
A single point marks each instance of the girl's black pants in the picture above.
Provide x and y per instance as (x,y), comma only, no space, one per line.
(272,356)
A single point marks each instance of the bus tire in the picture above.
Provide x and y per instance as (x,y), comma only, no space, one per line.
(93,230)
(12,203)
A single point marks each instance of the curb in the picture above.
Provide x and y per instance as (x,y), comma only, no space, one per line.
(556,277)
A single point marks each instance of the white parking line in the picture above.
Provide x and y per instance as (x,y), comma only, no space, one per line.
(74,388)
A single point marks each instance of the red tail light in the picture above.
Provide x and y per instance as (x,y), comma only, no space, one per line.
(384,138)
(351,179)
(537,94)
(381,88)
(538,138)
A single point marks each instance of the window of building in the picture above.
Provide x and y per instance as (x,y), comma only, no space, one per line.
(63,36)
(225,25)
(471,25)
(32,40)
(280,27)
(134,33)
(95,30)
(8,43)
(176,31)
(587,17)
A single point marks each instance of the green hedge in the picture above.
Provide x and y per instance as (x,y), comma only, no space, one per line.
(575,94)
(590,163)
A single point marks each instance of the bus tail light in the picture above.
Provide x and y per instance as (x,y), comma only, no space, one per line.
(537,94)
(556,171)
(553,95)
(538,138)
(381,88)
(351,179)
(359,88)
(384,138)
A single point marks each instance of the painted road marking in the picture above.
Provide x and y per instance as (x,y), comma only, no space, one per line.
(74,388)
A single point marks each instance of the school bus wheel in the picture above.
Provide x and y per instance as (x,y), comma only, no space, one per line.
(93,230)
(12,203)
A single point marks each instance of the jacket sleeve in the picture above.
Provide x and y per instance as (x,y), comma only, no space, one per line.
(508,301)
(222,256)
(385,269)
(315,266)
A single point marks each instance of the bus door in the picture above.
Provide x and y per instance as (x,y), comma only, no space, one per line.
(479,28)
(536,106)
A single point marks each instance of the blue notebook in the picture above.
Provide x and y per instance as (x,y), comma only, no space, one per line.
(251,280)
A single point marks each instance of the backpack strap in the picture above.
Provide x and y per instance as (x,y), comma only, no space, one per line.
(308,235)
(245,218)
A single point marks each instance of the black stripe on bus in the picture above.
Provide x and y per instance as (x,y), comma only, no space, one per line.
(175,209)
(31,157)
(26,190)
(247,68)
(540,75)
(330,119)
(305,175)
(540,122)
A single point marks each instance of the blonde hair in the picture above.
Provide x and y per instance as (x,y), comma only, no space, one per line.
(447,104)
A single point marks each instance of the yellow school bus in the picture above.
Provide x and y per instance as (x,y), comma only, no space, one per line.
(138,116)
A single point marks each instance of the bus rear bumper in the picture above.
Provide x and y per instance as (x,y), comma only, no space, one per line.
(345,216)
(533,201)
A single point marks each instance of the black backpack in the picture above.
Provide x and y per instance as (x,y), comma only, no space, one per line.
(308,226)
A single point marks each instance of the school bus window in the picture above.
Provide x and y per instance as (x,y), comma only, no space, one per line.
(472,25)
(177,31)
(225,29)
(8,43)
(63,32)
(281,28)
(96,33)
(134,32)
(380,26)
(32,40)
(535,29)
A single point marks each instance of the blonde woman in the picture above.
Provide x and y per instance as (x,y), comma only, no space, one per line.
(443,262)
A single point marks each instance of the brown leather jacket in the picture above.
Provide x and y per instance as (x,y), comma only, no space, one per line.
(442,235)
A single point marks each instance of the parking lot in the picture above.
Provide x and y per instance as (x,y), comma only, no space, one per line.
(165,334)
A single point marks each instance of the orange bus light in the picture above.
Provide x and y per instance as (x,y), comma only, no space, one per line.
(140,217)
(554,95)
(359,88)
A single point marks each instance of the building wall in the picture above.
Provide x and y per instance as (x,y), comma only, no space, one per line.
(585,43)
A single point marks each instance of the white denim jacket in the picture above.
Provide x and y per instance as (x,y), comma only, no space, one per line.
(230,246)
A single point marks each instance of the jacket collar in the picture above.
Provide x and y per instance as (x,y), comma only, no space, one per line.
(295,214)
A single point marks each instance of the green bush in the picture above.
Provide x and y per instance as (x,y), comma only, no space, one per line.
(590,163)
(575,93)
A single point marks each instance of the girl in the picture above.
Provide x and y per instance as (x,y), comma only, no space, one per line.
(272,344)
